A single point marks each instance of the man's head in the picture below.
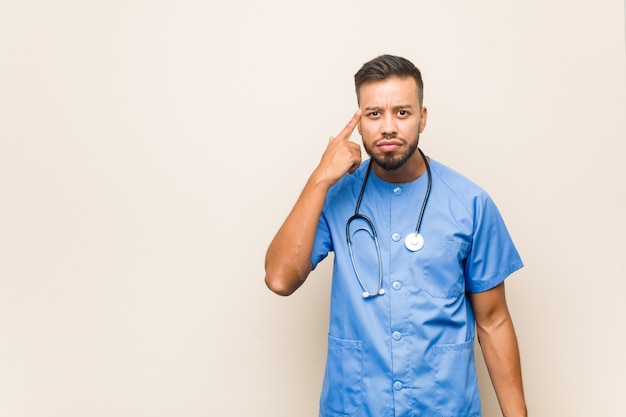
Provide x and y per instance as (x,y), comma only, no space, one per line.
(389,91)
(387,66)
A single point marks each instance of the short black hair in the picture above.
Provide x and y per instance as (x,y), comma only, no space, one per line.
(387,66)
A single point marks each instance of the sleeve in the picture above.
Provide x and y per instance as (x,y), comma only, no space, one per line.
(493,256)
(323,242)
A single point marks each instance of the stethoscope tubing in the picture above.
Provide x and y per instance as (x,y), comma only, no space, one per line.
(357,215)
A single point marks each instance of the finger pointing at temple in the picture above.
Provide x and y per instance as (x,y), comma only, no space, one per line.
(347,131)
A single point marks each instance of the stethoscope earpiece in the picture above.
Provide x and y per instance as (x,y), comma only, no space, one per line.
(368,295)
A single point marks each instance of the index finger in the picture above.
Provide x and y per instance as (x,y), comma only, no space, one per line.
(347,131)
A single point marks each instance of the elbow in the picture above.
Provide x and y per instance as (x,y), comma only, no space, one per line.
(279,286)
(284,281)
(284,278)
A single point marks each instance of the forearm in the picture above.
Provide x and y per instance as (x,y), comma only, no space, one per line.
(501,353)
(288,258)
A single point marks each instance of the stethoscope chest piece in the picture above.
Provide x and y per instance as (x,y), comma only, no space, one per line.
(414,242)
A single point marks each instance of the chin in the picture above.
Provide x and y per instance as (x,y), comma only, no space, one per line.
(389,164)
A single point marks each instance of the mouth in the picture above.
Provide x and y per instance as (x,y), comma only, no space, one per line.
(388,145)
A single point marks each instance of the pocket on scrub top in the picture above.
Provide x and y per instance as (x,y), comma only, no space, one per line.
(342,387)
(443,268)
(456,387)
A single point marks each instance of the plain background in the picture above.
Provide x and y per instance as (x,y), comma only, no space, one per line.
(149,150)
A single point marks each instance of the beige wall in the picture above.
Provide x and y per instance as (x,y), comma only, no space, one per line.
(150,149)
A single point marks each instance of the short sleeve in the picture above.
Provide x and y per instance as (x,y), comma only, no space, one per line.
(493,256)
(323,242)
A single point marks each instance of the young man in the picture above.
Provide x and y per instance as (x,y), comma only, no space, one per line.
(421,255)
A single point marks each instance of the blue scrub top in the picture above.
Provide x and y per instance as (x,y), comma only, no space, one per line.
(409,352)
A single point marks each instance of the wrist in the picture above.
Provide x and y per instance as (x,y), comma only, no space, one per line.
(321,178)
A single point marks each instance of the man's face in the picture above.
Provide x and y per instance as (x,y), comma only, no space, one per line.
(392,121)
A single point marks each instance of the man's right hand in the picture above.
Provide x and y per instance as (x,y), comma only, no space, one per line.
(341,155)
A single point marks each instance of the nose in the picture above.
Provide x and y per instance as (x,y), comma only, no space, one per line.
(388,127)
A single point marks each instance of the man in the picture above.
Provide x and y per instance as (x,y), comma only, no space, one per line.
(421,255)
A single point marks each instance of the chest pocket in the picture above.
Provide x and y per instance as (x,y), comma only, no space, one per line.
(444,263)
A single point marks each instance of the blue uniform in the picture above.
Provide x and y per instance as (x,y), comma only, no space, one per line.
(409,352)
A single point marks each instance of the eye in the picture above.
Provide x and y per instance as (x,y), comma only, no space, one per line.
(374,114)
(403,113)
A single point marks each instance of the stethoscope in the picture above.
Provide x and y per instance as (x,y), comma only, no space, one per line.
(413,242)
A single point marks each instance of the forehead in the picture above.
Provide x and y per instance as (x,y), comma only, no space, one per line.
(391,91)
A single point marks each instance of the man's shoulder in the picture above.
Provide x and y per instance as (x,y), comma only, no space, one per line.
(459,184)
(451,175)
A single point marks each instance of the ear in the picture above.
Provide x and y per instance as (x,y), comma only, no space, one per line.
(423,119)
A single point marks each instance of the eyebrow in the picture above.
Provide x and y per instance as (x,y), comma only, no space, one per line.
(379,108)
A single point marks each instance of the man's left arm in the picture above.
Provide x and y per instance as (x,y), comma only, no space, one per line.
(498,342)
